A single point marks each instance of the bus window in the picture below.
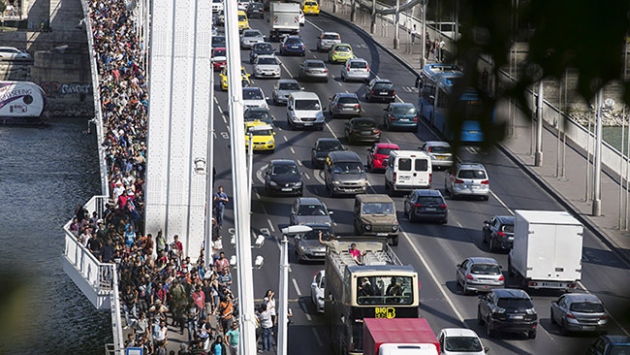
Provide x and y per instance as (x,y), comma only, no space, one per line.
(378,290)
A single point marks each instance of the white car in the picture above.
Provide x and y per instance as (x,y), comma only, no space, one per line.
(317,290)
(251,37)
(12,53)
(243,4)
(302,19)
(217,5)
(355,69)
(266,66)
(457,341)
(254,96)
(440,152)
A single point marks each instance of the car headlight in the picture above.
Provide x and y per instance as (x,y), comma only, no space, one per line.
(273,183)
(335,182)
(530,311)
(271,142)
(395,227)
(367,227)
(302,248)
(298,184)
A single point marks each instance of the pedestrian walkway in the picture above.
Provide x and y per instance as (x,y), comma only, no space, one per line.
(570,189)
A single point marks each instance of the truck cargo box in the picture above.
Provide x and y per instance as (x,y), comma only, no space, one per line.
(399,336)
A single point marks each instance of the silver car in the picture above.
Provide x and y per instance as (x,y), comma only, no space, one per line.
(314,69)
(440,153)
(283,88)
(579,312)
(309,210)
(355,69)
(266,66)
(345,104)
(467,179)
(12,53)
(251,37)
(479,274)
(317,290)
(307,245)
(327,40)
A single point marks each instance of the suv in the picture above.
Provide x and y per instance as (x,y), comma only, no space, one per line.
(467,179)
(610,345)
(498,232)
(426,205)
(304,110)
(327,40)
(507,310)
(376,215)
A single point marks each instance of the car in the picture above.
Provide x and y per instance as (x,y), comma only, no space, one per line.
(243,22)
(262,48)
(282,177)
(440,152)
(340,53)
(458,341)
(254,97)
(375,214)
(579,312)
(282,90)
(218,42)
(263,136)
(610,345)
(400,115)
(304,110)
(380,90)
(266,66)
(223,77)
(292,45)
(313,69)
(310,7)
(220,19)
(249,37)
(509,310)
(479,274)
(467,179)
(301,18)
(243,4)
(309,210)
(261,114)
(322,147)
(12,53)
(498,232)
(344,104)
(378,156)
(362,130)
(426,205)
(327,40)
(217,5)
(317,290)
(219,58)
(355,69)
(256,9)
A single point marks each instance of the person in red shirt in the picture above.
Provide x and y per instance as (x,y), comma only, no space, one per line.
(199,298)
(177,246)
(221,263)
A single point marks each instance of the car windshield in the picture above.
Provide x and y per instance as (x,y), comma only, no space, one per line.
(429,200)
(587,307)
(284,169)
(348,100)
(439,149)
(217,40)
(263,47)
(342,49)
(314,234)
(242,18)
(289,86)
(362,124)
(252,34)
(383,86)
(358,65)
(307,104)
(252,95)
(404,110)
(270,60)
(519,304)
(329,146)
(293,41)
(472,174)
(219,53)
(329,36)
(377,208)
(463,344)
(312,210)
(315,64)
(620,350)
(485,269)
(260,132)
(348,168)
(310,3)
(385,151)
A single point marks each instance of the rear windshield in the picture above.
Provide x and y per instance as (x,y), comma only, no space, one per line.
(385,151)
(377,208)
(331,37)
(329,146)
(405,164)
(384,86)
(348,100)
(263,47)
(472,174)
(357,65)
(439,149)
(485,269)
(430,200)
(252,95)
(251,34)
(310,3)
(219,53)
(271,60)
(404,110)
(257,114)
(519,304)
(587,307)
(289,86)
(218,40)
(342,49)
(307,104)
(293,41)
(316,65)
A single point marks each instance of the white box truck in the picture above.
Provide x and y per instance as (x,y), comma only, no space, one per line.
(547,251)
(284,20)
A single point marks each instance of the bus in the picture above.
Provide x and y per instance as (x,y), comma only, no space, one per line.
(377,285)
(470,106)
(427,84)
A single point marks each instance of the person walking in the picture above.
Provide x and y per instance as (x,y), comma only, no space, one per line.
(266,324)
(220,200)
(232,338)
(436,50)
(413,34)
(441,46)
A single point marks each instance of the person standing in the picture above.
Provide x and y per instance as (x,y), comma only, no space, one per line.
(413,34)
(436,50)
(232,338)
(130,299)
(220,200)
(218,347)
(271,307)
(427,46)
(441,46)
(267,326)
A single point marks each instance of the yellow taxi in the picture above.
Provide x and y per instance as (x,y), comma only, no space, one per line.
(262,136)
(340,53)
(310,7)
(223,77)
(243,22)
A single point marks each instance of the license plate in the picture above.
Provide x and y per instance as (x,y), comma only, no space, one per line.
(382,93)
(468,186)
(588,327)
(431,209)
(403,178)
(515,316)
(473,132)
(286,189)
(381,234)
(347,108)
(551,284)
(308,123)
(366,133)
(441,157)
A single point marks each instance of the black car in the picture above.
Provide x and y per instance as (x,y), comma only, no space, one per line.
(509,310)
(426,205)
(218,42)
(256,9)
(610,345)
(282,177)
(362,130)
(322,147)
(380,90)
(498,232)
(263,48)
(253,113)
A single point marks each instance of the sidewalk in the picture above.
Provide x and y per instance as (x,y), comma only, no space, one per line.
(570,190)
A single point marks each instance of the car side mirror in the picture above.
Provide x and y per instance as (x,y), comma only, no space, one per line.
(486,222)
(459,265)
(302,88)
(331,212)
(486,349)
(266,97)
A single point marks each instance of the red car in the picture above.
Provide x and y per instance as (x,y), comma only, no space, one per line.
(219,58)
(378,155)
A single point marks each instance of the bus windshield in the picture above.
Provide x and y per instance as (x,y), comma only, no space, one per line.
(379,290)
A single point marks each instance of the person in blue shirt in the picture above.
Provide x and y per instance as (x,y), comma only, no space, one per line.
(220,200)
(218,347)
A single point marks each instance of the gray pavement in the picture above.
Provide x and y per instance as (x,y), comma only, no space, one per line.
(570,187)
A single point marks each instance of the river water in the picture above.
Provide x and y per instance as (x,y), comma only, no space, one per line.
(44,174)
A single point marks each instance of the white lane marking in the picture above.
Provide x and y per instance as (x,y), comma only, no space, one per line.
(300,163)
(297,288)
(303,308)
(286,69)
(331,131)
(259,174)
(314,25)
(307,176)
(285,138)
(319,341)
(317,175)
(271,225)
(292,150)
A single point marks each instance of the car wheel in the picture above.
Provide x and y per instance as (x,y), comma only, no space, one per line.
(565,329)
(415,130)
(480,320)
(395,241)
(531,334)
(552,318)
(485,198)
(465,288)
(489,331)
(445,221)
(344,78)
(412,216)
(491,245)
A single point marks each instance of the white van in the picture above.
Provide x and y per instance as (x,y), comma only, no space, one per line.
(304,110)
(408,170)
